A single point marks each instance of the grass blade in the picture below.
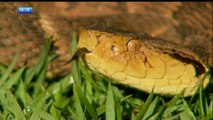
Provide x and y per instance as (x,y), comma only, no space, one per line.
(118,109)
(145,106)
(188,110)
(152,108)
(14,79)
(202,98)
(84,100)
(80,115)
(9,70)
(9,102)
(110,107)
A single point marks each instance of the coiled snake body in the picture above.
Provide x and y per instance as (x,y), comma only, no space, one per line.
(177,55)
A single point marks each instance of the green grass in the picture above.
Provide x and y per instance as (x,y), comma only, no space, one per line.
(26,93)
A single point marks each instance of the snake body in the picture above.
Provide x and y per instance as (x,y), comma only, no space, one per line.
(181,39)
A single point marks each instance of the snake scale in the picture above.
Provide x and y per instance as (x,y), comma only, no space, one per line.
(157,35)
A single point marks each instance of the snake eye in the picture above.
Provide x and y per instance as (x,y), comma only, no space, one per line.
(133,45)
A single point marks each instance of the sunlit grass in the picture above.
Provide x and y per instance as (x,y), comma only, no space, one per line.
(26,93)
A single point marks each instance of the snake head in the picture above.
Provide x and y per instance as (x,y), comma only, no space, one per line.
(141,62)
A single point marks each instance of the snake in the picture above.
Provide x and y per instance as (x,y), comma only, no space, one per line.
(135,44)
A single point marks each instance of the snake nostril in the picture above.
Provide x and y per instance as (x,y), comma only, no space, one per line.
(115,49)
(98,39)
